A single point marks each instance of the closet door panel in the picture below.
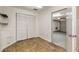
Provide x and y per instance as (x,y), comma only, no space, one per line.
(31,26)
(21,27)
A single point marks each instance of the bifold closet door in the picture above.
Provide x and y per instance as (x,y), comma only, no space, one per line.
(31,26)
(22,28)
(25,26)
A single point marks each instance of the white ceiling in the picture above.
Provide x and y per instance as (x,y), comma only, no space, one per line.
(29,7)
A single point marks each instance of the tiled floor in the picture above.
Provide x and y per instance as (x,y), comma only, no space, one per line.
(33,45)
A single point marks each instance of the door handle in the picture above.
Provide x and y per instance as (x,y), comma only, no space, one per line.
(72,35)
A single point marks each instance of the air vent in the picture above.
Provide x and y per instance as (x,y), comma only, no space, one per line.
(35,9)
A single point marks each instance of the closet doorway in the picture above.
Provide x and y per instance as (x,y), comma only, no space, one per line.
(25,26)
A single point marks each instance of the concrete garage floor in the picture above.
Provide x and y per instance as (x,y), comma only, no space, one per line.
(33,45)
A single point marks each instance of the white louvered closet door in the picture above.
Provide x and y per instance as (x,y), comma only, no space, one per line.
(31,26)
(25,26)
(22,28)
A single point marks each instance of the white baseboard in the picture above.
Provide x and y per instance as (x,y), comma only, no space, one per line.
(1,49)
(6,46)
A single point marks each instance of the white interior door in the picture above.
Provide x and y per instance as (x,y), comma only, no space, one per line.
(22,28)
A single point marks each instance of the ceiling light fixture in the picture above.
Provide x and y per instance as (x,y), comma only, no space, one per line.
(38,6)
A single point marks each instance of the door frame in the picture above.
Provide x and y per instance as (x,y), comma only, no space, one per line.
(51,24)
(73,35)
